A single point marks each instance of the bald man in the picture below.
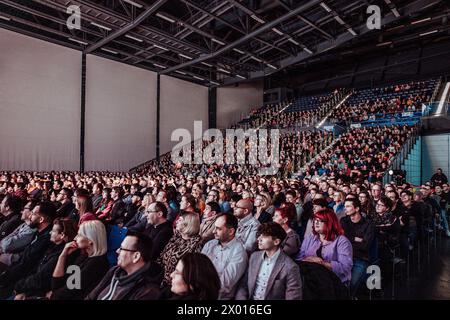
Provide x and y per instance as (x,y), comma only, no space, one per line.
(248,225)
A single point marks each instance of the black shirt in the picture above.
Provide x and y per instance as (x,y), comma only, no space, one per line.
(160,235)
(363,229)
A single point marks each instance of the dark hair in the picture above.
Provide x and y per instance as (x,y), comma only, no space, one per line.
(68,226)
(387,202)
(230,220)
(235,197)
(279,199)
(291,193)
(68,192)
(191,200)
(82,192)
(99,186)
(159,206)
(119,191)
(144,245)
(200,276)
(355,202)
(14,203)
(47,210)
(320,202)
(273,230)
(395,193)
(214,206)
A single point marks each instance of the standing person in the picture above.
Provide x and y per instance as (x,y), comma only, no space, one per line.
(439,178)
(269,264)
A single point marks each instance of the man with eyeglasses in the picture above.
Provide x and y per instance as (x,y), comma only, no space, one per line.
(12,245)
(158,229)
(136,276)
(10,208)
(41,219)
(65,199)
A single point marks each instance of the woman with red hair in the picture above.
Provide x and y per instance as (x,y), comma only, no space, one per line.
(328,246)
(284,217)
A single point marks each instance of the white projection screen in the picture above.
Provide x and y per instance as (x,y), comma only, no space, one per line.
(181,104)
(235,102)
(120,115)
(40,85)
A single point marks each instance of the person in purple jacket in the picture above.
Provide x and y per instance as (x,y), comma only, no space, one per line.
(328,246)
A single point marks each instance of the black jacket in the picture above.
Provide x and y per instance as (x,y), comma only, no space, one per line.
(319,283)
(38,283)
(160,236)
(118,212)
(365,230)
(29,258)
(65,209)
(8,225)
(141,285)
(92,271)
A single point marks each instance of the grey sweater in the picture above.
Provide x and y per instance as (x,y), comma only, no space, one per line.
(17,240)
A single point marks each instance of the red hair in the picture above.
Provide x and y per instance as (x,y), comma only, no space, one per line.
(332,227)
(286,213)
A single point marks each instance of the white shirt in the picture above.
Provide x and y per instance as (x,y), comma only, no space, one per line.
(263,275)
(230,262)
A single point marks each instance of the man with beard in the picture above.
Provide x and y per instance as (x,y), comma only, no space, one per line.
(41,219)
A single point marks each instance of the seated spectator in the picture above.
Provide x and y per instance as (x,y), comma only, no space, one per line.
(88,252)
(212,210)
(185,239)
(10,208)
(136,276)
(269,264)
(227,254)
(38,282)
(97,190)
(65,199)
(248,225)
(12,245)
(360,232)
(133,206)
(104,210)
(139,221)
(367,207)
(41,219)
(261,204)
(338,206)
(387,228)
(85,209)
(118,209)
(291,244)
(194,278)
(328,246)
(159,229)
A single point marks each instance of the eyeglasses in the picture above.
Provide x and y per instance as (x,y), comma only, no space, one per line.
(380,205)
(320,220)
(128,250)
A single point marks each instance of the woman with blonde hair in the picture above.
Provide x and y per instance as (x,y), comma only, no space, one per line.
(185,239)
(85,255)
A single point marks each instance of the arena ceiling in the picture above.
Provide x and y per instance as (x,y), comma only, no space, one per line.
(217,42)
